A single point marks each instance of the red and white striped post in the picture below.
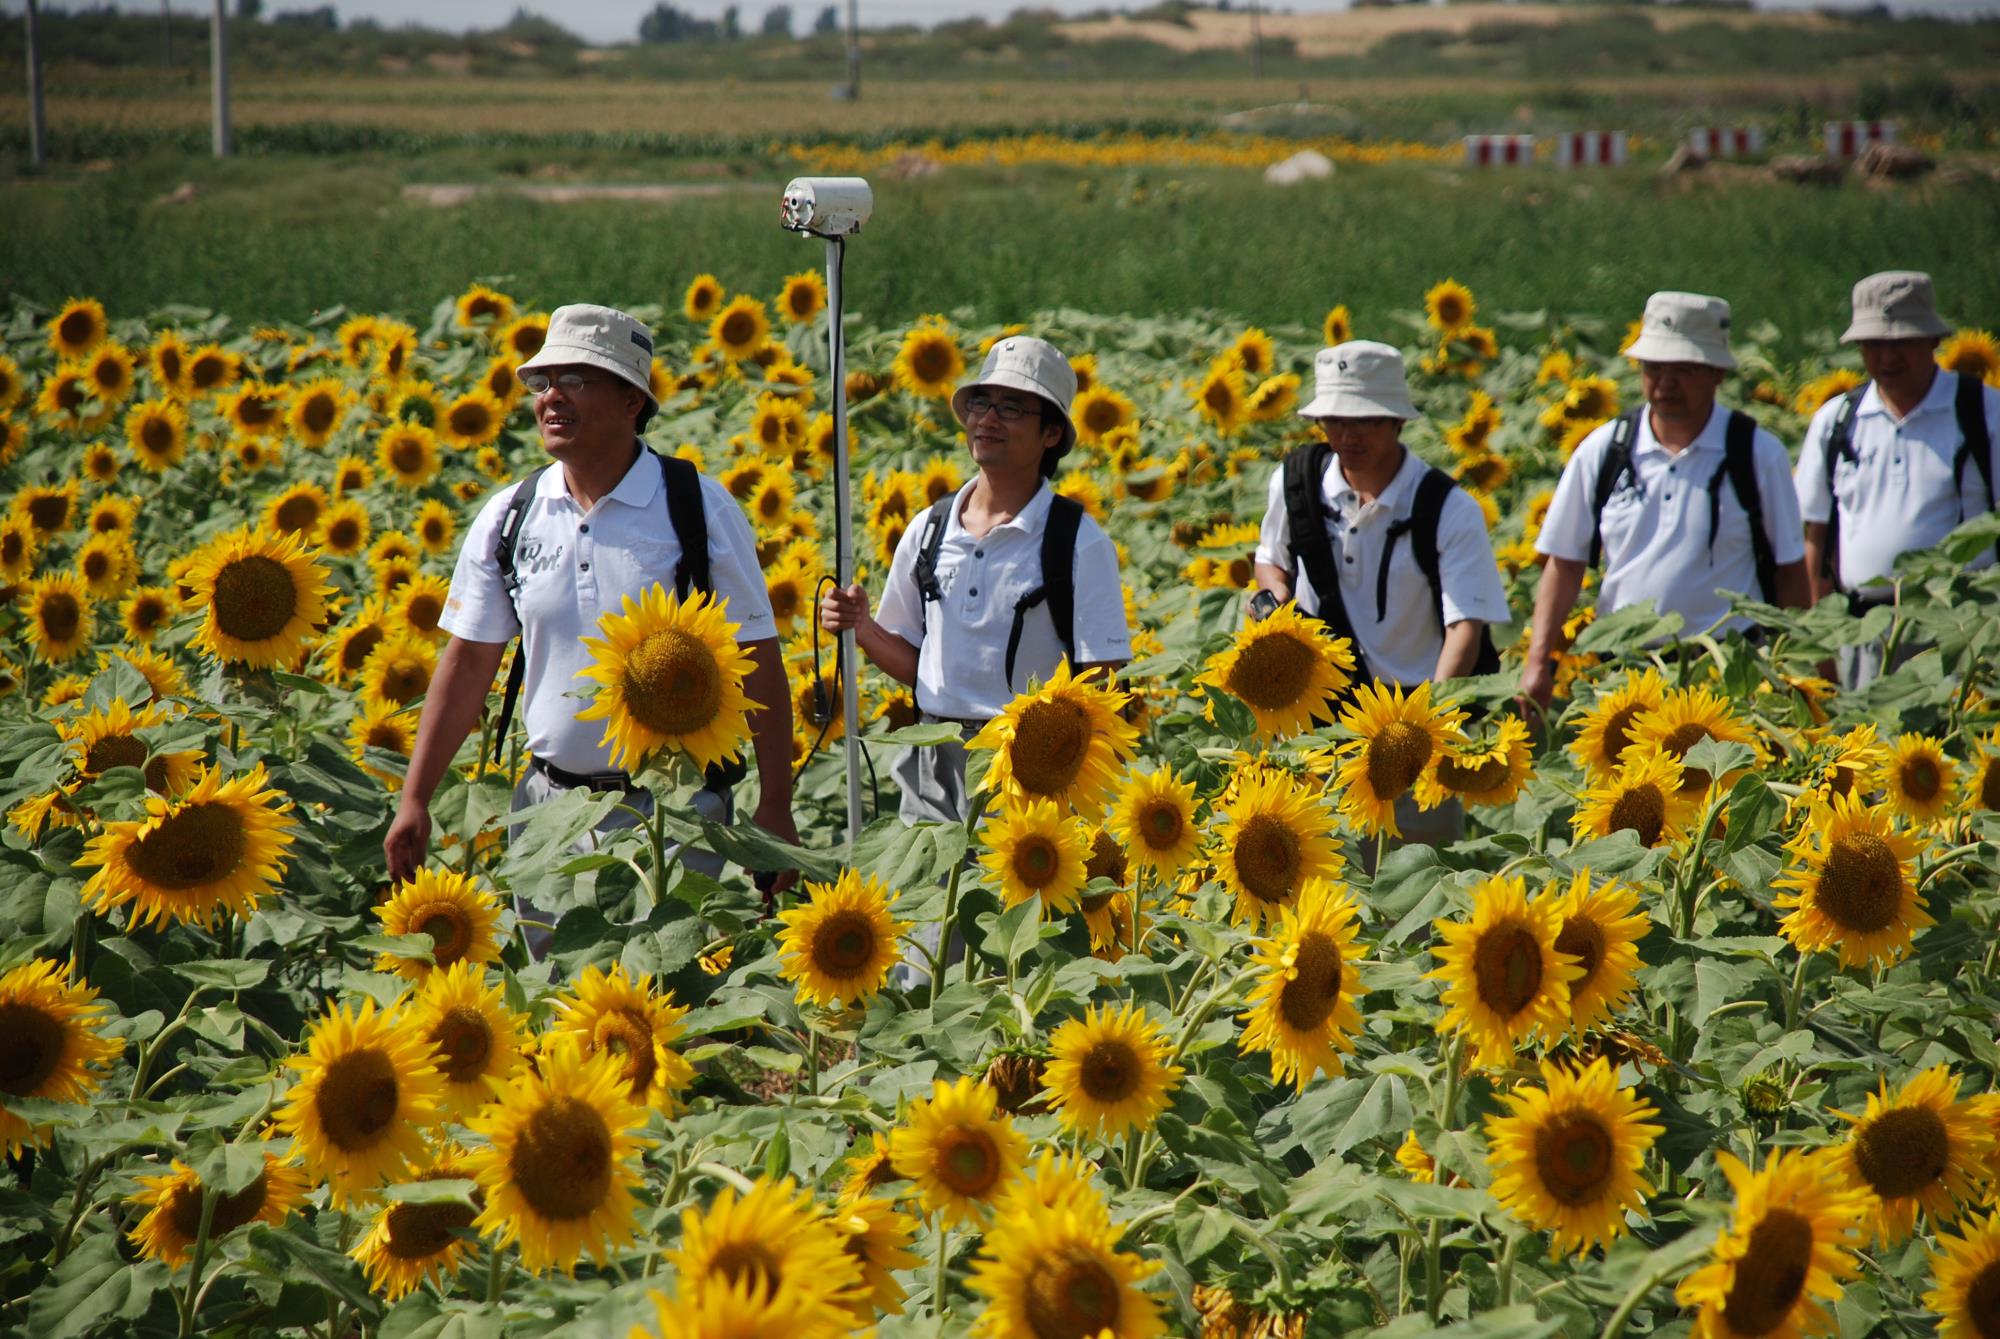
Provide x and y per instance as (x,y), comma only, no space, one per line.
(1499,150)
(1848,139)
(1726,141)
(1590,148)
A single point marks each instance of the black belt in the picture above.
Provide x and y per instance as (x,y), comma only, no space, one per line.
(932,718)
(619,781)
(1861,601)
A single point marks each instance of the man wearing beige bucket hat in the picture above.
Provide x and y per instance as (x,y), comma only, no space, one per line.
(547,557)
(1898,462)
(1681,502)
(1384,549)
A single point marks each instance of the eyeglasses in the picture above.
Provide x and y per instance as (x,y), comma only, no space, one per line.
(1008,411)
(570,382)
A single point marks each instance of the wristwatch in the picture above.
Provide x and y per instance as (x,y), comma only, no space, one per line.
(1262,605)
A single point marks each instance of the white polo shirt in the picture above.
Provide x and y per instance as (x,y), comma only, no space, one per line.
(961,640)
(574,567)
(1897,494)
(1402,645)
(1656,533)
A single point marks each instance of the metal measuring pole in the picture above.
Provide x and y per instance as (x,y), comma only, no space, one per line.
(850,664)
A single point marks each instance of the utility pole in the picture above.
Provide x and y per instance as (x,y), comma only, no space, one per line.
(853,51)
(38,130)
(1256,42)
(218,76)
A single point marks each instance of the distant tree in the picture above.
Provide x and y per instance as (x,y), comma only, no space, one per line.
(827,22)
(321,18)
(732,23)
(249,9)
(777,22)
(528,26)
(664,23)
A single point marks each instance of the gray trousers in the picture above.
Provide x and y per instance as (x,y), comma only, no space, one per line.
(1862,665)
(1420,827)
(931,786)
(538,924)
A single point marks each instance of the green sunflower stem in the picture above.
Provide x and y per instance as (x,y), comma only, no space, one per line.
(191,1294)
(1505,1274)
(937,1284)
(1792,995)
(1615,1326)
(1434,1270)
(82,937)
(496,1275)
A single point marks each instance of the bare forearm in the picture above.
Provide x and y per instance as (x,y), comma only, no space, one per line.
(1555,596)
(1460,650)
(1795,587)
(770,722)
(1275,579)
(1820,586)
(887,651)
(452,704)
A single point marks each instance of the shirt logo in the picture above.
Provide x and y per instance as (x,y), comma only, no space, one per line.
(534,557)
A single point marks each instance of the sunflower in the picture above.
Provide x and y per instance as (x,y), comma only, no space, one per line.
(868,1168)
(67,401)
(878,1237)
(480,306)
(399,670)
(1110,1073)
(210,368)
(100,463)
(671,676)
(561,1160)
(1449,306)
(217,844)
(613,1015)
(50,510)
(1033,849)
(1254,352)
(1922,782)
(1848,885)
(418,604)
(387,727)
(395,350)
(1286,669)
(451,908)
(1490,772)
(1398,738)
(472,420)
(367,1090)
(1153,819)
(1063,741)
(1567,1156)
(173,1203)
(1972,353)
(50,1047)
(19,546)
(1820,389)
(1219,398)
(1418,1165)
(1923,1149)
(433,529)
(739,329)
(264,597)
(296,511)
(476,1040)
(929,362)
(351,474)
(1607,730)
(1098,412)
(703,298)
(78,327)
(392,574)
(956,1151)
(344,530)
(109,369)
(160,673)
(1301,1011)
(1967,1274)
(840,945)
(1787,1248)
(418,403)
(59,616)
(107,566)
(774,1237)
(411,1242)
(1848,764)
(1504,979)
(802,298)
(1601,928)
(1683,719)
(1047,1272)
(1644,796)
(1337,327)
(13,387)
(107,737)
(1982,794)
(1272,838)
(407,452)
(1273,398)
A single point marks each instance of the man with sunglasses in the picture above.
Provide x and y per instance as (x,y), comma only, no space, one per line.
(580,535)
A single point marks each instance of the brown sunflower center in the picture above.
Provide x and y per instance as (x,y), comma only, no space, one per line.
(13,548)
(843,944)
(423,610)
(463,1040)
(1396,758)
(1161,824)
(317,414)
(1641,809)
(1989,785)
(784,600)
(1677,742)
(256,411)
(1982,1302)
(420,1231)
(70,392)
(343,536)
(1219,396)
(31,1046)
(1268,858)
(1109,1071)
(1274,671)
(747,1262)
(1920,779)
(1070,1295)
(1051,744)
(470,419)
(1463,778)
(355,649)
(561,1161)
(967,1161)
(114,751)
(931,359)
(1107,858)
(1312,990)
(404,678)
(297,513)
(60,615)
(77,329)
(629,1037)
(231,1211)
(97,565)
(386,735)
(200,845)
(1861,885)
(255,597)
(1771,1275)
(1573,1158)
(406,455)
(49,511)
(1507,969)
(1902,1151)
(207,371)
(358,1099)
(1583,939)
(738,329)
(1102,414)
(148,612)
(673,684)
(1036,861)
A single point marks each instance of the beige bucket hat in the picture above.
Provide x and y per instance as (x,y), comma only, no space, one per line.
(601,337)
(1024,363)
(1359,379)
(1684,328)
(1895,304)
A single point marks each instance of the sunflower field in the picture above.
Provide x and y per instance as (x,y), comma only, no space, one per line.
(1694,1032)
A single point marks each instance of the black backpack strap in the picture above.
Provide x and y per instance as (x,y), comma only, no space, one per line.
(689,518)
(1838,446)
(1058,588)
(1312,548)
(1426,520)
(505,541)
(1739,463)
(1975,436)
(1615,466)
(925,570)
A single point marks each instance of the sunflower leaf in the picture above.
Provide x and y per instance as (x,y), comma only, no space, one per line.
(452,1190)
(223,974)
(918,736)
(92,1287)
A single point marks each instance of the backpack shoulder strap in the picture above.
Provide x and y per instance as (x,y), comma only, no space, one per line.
(1975,435)
(1739,463)
(682,483)
(505,541)
(1838,446)
(1426,516)
(924,570)
(1617,463)
(1312,549)
(1058,588)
